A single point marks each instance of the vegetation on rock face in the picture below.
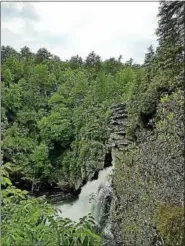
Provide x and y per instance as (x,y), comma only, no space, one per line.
(151,181)
(170,221)
(55,117)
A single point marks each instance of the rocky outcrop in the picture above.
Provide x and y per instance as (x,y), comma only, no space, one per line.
(117,143)
(147,201)
(93,166)
(149,179)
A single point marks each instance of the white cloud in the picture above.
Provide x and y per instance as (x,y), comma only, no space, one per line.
(17,25)
(70,28)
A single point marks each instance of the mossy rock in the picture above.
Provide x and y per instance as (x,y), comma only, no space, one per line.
(170,223)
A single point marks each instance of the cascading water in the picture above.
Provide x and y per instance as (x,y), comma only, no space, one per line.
(92,199)
(97,197)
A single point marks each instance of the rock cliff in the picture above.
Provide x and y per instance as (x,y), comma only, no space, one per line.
(149,176)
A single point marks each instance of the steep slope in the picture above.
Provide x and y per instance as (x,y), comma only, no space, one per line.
(149,178)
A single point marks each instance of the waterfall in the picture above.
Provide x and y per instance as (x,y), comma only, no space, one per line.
(97,197)
(94,198)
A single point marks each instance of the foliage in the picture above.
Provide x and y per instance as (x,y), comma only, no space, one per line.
(31,221)
(55,118)
(170,223)
(57,108)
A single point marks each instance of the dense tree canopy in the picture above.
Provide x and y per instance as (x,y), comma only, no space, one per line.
(47,106)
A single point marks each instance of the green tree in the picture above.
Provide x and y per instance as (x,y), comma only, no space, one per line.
(76,62)
(6,52)
(171,35)
(42,54)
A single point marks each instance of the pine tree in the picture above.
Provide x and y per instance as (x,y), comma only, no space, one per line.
(171,35)
(148,62)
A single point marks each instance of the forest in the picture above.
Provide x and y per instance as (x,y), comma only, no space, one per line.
(54,124)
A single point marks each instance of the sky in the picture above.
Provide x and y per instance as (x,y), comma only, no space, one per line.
(66,29)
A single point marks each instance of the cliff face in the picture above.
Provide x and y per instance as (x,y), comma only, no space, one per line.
(118,142)
(148,178)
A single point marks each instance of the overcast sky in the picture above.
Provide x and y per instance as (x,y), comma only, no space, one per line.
(70,28)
